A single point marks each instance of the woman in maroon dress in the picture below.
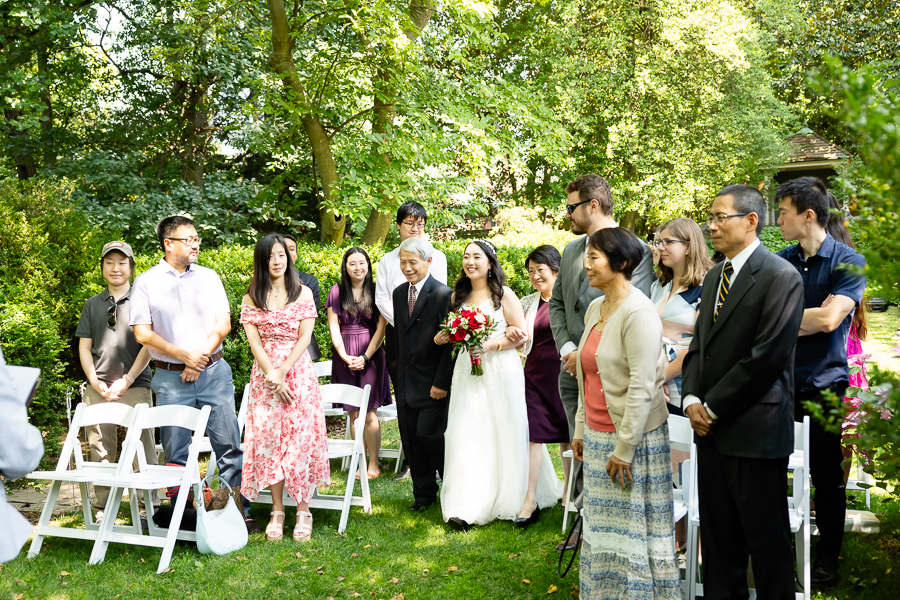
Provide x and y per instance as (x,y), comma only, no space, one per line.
(547,422)
(357,330)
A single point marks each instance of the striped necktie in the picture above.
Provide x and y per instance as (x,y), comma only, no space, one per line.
(727,276)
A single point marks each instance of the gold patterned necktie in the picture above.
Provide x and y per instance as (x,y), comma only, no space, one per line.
(412,298)
(727,276)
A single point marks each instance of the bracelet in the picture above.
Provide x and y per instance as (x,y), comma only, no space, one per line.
(499,346)
(129,378)
(366,358)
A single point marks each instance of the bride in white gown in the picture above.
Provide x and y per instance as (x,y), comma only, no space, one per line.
(486,442)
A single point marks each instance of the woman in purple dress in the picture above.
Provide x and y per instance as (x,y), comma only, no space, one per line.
(547,422)
(357,330)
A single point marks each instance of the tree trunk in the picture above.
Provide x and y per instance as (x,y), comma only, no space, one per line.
(379,222)
(193,119)
(25,165)
(282,62)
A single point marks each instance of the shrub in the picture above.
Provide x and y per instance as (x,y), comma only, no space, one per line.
(49,252)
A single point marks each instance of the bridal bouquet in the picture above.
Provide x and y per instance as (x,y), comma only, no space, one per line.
(469,328)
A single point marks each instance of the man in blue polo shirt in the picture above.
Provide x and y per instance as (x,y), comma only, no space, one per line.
(832,291)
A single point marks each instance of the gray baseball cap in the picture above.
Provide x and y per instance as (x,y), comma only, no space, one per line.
(119,247)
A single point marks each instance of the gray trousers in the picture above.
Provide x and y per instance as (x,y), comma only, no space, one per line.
(103,439)
(214,388)
(568,393)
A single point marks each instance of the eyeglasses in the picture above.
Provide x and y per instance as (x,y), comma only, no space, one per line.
(720,219)
(112,311)
(417,225)
(668,242)
(570,208)
(538,271)
(187,241)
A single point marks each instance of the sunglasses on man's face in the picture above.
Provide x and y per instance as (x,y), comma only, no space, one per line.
(570,208)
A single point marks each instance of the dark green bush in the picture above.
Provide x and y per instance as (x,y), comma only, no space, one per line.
(49,254)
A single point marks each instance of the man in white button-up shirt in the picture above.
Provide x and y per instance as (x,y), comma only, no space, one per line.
(411,220)
(180,312)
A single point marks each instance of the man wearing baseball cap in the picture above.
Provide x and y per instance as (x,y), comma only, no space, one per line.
(115,364)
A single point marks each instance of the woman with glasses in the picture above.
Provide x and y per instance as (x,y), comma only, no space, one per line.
(683,262)
(547,422)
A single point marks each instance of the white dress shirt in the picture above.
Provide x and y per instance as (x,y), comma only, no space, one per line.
(738,262)
(389,276)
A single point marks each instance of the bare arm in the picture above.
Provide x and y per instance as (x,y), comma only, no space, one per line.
(827,318)
(140,363)
(377,338)
(673,369)
(256,347)
(87,365)
(334,327)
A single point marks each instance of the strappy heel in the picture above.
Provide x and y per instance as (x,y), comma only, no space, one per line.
(275,530)
(303,529)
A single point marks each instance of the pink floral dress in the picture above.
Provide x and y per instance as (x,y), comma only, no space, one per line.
(284,441)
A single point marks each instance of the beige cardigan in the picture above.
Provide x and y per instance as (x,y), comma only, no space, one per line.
(632,366)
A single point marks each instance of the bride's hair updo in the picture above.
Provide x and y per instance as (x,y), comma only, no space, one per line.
(496,278)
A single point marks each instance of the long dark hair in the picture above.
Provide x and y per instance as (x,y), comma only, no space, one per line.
(261,283)
(496,278)
(835,226)
(366,302)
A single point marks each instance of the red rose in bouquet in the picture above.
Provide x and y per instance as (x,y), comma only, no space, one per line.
(469,328)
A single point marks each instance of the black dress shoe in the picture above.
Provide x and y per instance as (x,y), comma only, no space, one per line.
(252,526)
(824,574)
(403,474)
(524,522)
(458,524)
(569,544)
(420,506)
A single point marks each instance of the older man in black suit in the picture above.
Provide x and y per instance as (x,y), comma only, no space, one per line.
(738,392)
(424,368)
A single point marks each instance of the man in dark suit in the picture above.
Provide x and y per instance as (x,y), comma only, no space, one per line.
(312,282)
(738,393)
(424,368)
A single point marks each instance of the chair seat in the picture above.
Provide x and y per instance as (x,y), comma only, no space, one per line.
(340,448)
(154,478)
(87,473)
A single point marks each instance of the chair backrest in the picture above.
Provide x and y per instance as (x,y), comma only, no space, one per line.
(245,405)
(801,484)
(170,415)
(322,368)
(106,413)
(681,435)
(349,395)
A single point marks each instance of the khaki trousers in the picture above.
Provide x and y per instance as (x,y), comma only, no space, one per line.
(103,439)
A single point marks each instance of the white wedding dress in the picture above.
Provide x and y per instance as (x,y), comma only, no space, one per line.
(486,442)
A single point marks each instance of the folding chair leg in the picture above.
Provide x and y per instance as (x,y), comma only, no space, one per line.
(134,505)
(570,493)
(348,492)
(89,522)
(364,483)
(101,544)
(399,462)
(152,529)
(175,525)
(690,574)
(46,515)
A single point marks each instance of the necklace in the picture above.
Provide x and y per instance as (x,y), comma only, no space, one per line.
(612,306)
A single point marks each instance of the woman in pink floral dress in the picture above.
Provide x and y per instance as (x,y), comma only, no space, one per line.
(284,438)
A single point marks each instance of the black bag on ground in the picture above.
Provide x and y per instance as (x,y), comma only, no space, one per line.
(163,517)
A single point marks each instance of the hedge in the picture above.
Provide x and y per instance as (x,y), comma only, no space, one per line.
(50,258)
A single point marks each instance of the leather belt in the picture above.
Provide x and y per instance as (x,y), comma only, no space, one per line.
(180,367)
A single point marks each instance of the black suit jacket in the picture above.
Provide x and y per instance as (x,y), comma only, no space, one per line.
(312,283)
(742,365)
(421,363)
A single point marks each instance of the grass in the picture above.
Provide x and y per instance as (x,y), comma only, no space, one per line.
(392,553)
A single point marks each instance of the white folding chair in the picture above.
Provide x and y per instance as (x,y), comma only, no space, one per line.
(387,414)
(322,368)
(570,492)
(84,472)
(862,482)
(357,397)
(153,477)
(681,437)
(798,515)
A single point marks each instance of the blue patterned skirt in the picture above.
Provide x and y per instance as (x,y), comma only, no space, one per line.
(628,550)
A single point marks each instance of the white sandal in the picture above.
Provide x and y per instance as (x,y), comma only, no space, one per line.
(303,529)
(275,530)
